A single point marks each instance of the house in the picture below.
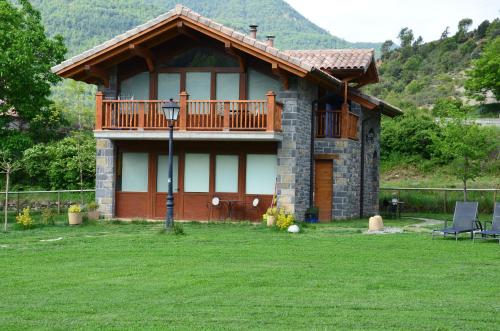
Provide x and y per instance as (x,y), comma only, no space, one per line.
(254,122)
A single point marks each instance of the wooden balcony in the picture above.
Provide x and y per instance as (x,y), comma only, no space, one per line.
(331,124)
(195,115)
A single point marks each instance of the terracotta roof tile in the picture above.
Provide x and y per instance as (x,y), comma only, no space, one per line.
(332,59)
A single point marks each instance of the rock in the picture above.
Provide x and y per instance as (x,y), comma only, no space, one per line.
(293,228)
(375,223)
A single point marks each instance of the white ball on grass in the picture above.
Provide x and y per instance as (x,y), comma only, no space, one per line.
(293,228)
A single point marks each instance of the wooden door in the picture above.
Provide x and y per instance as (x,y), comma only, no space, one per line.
(323,188)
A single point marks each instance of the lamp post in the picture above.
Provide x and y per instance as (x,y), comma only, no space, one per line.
(171,111)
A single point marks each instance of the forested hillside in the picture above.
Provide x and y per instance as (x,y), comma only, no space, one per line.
(420,73)
(84,24)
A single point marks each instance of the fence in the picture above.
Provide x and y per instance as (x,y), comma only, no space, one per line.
(36,200)
(438,200)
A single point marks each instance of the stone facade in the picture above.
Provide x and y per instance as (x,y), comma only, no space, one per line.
(347,168)
(294,150)
(105,177)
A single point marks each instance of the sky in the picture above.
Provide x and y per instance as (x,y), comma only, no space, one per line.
(379,20)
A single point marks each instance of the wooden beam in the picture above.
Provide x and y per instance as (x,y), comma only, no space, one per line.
(182,30)
(145,53)
(97,72)
(283,76)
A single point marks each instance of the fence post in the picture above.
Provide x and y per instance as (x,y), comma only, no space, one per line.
(58,202)
(445,200)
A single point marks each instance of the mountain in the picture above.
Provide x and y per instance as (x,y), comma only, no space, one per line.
(420,73)
(84,24)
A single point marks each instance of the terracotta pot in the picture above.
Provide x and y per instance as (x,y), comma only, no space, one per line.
(375,223)
(271,220)
(93,215)
(75,218)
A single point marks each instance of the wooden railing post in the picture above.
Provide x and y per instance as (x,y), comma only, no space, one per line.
(141,115)
(98,108)
(226,115)
(271,106)
(344,122)
(183,98)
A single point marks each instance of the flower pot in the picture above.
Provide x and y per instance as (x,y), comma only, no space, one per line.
(75,218)
(93,215)
(271,220)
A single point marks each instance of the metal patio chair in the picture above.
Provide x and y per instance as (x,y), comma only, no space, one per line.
(464,220)
(495,226)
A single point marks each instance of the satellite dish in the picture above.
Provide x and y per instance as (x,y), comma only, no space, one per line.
(215,201)
(255,202)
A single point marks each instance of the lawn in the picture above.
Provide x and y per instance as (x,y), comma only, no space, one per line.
(242,276)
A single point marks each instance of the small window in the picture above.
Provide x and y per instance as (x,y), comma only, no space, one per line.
(228,86)
(134,172)
(261,173)
(162,174)
(135,87)
(198,85)
(196,172)
(226,173)
(259,84)
(169,86)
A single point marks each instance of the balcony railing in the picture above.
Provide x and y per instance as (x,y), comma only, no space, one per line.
(196,115)
(329,124)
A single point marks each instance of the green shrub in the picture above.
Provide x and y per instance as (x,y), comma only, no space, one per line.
(48,216)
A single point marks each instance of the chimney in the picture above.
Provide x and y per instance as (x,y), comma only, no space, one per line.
(270,41)
(253,31)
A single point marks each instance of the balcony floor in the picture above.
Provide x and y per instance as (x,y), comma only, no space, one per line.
(188,135)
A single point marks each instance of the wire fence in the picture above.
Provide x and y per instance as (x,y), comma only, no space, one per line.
(58,200)
(437,200)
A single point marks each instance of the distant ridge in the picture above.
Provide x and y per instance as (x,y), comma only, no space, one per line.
(87,23)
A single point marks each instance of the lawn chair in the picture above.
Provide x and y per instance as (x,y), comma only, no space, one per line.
(464,220)
(495,226)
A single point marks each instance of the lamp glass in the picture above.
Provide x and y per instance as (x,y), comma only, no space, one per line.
(171,110)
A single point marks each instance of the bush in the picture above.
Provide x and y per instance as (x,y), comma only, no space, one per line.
(75,209)
(178,229)
(284,219)
(25,219)
(48,216)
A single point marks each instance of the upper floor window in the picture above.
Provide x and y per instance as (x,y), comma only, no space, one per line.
(135,87)
(201,57)
(259,84)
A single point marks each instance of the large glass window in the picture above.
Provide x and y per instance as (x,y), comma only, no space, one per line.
(228,86)
(198,85)
(135,87)
(169,86)
(259,84)
(261,173)
(134,172)
(196,172)
(226,173)
(201,57)
(162,174)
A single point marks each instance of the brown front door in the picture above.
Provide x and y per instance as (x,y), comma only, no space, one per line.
(323,189)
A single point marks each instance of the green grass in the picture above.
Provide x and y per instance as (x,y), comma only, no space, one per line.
(226,276)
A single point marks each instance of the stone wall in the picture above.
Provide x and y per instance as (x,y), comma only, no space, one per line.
(347,167)
(105,177)
(372,159)
(294,151)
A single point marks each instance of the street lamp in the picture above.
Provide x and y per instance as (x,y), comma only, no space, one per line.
(171,111)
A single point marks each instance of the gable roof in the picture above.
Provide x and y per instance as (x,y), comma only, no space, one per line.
(335,59)
(318,63)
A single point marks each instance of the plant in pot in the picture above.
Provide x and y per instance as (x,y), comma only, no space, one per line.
(92,212)
(270,216)
(312,214)
(75,215)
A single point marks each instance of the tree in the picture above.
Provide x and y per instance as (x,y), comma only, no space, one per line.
(445,33)
(406,37)
(386,48)
(485,74)
(482,29)
(463,27)
(463,143)
(25,61)
(7,166)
